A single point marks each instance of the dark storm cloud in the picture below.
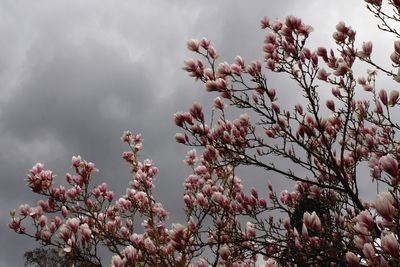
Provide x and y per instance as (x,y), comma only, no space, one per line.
(75,74)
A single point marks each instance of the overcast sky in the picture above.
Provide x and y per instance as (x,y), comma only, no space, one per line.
(75,74)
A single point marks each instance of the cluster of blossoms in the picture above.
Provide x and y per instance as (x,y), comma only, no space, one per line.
(79,219)
(324,221)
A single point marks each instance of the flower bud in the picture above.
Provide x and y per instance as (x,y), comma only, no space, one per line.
(390,244)
(368,251)
(389,164)
(323,75)
(264,23)
(384,205)
(352,259)
(116,261)
(366,50)
(330,104)
(383,97)
(193,45)
(393,98)
(395,57)
(224,252)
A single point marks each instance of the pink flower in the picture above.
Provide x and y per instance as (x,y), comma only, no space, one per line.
(109,196)
(270,133)
(312,220)
(191,157)
(323,75)
(393,98)
(330,104)
(197,111)
(368,251)
(45,234)
(194,67)
(64,233)
(102,188)
(271,64)
(130,254)
(299,109)
(336,92)
(212,52)
(149,245)
(341,69)
(218,103)
(178,235)
(24,209)
(254,68)
(365,219)
(366,50)
(136,239)
(264,23)
(73,224)
(224,252)
(38,168)
(271,93)
(239,61)
(352,259)
(378,107)
(201,200)
(397,47)
(271,263)
(395,58)
(275,107)
(181,138)
(90,167)
(193,45)
(389,164)
(390,244)
(383,97)
(76,161)
(236,69)
(277,25)
(285,197)
(205,43)
(321,51)
(42,221)
(15,224)
(250,229)
(339,36)
(126,137)
(116,261)
(223,70)
(304,231)
(179,121)
(384,205)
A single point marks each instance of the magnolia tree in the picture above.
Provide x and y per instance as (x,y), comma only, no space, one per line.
(322,222)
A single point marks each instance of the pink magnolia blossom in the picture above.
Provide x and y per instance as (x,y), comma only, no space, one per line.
(390,244)
(224,252)
(352,259)
(330,104)
(366,50)
(323,75)
(383,97)
(393,98)
(193,45)
(369,251)
(384,205)
(117,261)
(390,165)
